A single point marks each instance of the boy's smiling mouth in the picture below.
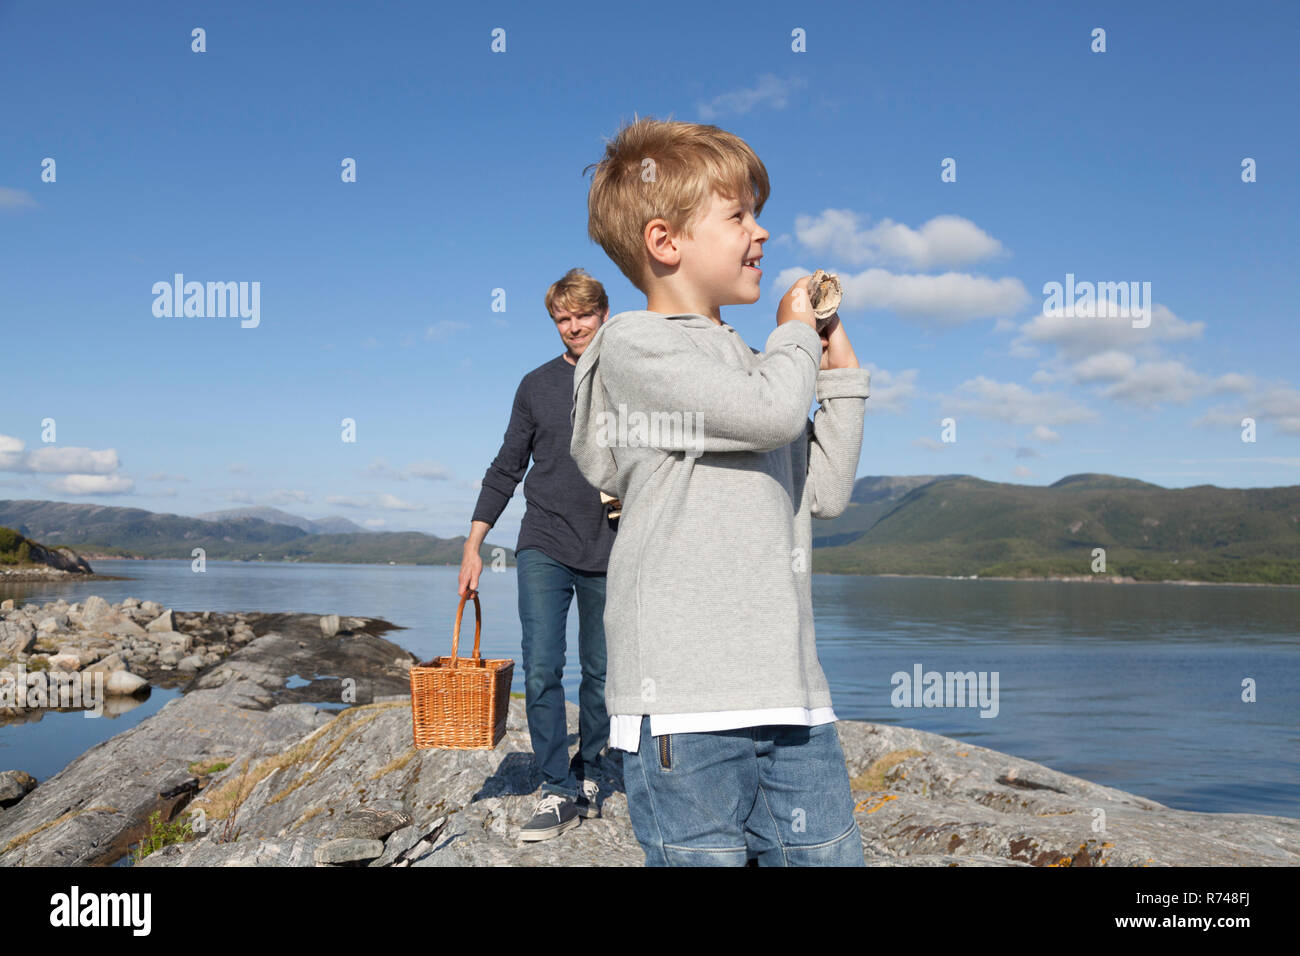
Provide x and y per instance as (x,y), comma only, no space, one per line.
(752,263)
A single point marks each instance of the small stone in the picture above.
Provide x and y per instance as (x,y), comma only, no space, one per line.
(348,850)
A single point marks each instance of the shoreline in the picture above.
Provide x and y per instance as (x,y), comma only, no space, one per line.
(54,574)
(1073,578)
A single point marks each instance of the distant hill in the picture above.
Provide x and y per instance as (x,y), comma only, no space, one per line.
(872,498)
(963,526)
(329,525)
(917,524)
(138,533)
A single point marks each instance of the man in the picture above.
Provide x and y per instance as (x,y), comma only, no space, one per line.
(563,548)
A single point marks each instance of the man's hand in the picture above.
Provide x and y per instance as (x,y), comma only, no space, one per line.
(471,566)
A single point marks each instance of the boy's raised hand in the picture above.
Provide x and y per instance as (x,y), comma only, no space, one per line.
(837,352)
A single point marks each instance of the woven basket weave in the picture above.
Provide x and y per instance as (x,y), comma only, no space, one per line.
(460,703)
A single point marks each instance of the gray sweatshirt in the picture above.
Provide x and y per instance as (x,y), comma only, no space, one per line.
(707,442)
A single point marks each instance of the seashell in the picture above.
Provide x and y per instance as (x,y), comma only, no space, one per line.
(824,295)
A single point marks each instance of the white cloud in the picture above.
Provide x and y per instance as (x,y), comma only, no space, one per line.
(943,241)
(890,391)
(163,476)
(1020,471)
(1152,383)
(11,453)
(1078,338)
(929,443)
(1109,366)
(943,301)
(1013,403)
(430,470)
(286,496)
(1045,434)
(1277,404)
(93,485)
(770,90)
(65,459)
(1232,382)
(382,502)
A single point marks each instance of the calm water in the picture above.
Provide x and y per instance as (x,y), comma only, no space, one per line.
(1133,686)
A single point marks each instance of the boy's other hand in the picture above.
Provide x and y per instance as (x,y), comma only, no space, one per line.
(837,352)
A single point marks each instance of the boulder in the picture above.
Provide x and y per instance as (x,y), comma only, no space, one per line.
(123,683)
(14,785)
(166,621)
(98,614)
(17,635)
(329,625)
(113,662)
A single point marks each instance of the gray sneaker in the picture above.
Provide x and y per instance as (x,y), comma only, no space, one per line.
(555,813)
(586,803)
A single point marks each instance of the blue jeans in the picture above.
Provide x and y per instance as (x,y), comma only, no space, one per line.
(546,588)
(778,794)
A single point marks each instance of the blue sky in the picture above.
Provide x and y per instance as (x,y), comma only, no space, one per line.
(376,296)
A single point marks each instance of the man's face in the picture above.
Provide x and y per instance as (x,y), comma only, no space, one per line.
(714,258)
(577,330)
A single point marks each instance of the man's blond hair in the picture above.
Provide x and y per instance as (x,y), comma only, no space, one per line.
(665,169)
(577,293)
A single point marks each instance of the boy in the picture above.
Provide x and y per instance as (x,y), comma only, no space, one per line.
(713,683)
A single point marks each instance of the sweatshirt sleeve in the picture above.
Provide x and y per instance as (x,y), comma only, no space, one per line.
(653,369)
(835,439)
(507,469)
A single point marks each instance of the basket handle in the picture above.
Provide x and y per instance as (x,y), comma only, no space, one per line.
(478,627)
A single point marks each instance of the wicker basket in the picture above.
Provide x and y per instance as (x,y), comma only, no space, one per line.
(460,703)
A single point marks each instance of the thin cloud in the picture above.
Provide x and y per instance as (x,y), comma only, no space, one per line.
(16,199)
(770,91)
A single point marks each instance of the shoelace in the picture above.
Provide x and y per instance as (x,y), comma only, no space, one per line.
(550,804)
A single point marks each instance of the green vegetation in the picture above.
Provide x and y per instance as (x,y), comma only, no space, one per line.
(160,835)
(965,526)
(14,548)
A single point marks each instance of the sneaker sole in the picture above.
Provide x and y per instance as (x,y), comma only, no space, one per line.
(533,836)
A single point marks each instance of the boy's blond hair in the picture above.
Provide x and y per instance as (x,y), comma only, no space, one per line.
(689,162)
(578,293)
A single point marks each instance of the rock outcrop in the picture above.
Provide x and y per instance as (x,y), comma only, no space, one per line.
(34,561)
(269,778)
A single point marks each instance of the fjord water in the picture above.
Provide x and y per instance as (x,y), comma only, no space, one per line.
(1137,687)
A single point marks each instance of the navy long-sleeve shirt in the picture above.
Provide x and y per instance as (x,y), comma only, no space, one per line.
(564,517)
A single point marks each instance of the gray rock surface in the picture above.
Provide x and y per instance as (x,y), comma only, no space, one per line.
(96,807)
(300,779)
(920,800)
